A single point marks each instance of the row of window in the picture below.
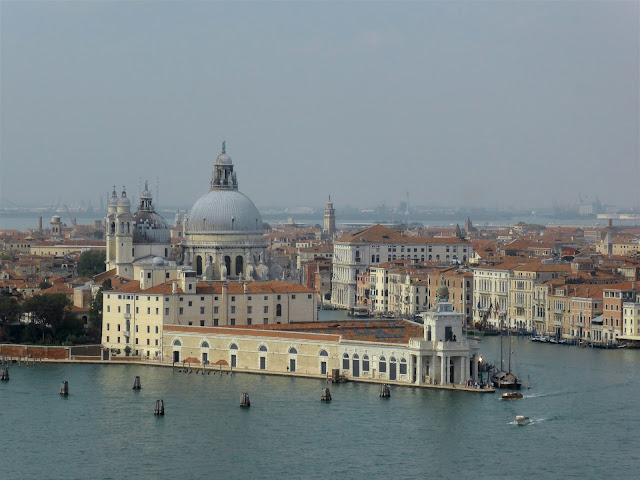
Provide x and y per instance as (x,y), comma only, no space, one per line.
(233,298)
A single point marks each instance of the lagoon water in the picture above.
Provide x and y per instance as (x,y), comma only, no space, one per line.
(582,402)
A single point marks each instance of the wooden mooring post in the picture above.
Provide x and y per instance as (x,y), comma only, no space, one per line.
(159,409)
(64,388)
(244,400)
(326,395)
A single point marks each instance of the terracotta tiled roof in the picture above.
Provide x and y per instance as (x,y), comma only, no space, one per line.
(382,234)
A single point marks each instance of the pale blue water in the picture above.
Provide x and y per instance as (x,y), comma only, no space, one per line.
(583,404)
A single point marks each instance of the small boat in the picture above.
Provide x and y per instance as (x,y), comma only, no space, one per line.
(522,420)
(511,396)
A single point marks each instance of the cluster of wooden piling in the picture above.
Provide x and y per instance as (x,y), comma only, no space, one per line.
(244,400)
(64,388)
(385,391)
(326,395)
(4,374)
(159,410)
(136,383)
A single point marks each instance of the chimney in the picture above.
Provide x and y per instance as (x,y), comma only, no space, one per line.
(244,285)
(174,287)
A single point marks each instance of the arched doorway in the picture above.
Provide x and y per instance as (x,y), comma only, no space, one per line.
(239,265)
(198,265)
(227,263)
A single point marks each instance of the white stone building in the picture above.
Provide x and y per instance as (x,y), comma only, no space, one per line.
(356,252)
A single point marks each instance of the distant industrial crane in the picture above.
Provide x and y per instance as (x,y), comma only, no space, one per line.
(73,220)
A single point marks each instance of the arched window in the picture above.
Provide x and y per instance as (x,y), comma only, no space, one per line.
(239,265)
(345,361)
(113,227)
(293,351)
(365,363)
(198,265)
(278,310)
(262,348)
(382,364)
(177,343)
(355,356)
(227,263)
(403,366)
(233,346)
(204,345)
(323,353)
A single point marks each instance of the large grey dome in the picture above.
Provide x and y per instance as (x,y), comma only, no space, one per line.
(224,211)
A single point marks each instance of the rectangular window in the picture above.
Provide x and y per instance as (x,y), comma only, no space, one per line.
(201,310)
(215,309)
(202,323)
(266,309)
(118,340)
(156,311)
(157,329)
(232,321)
(309,296)
(403,368)
(249,298)
(181,311)
(202,299)
(248,321)
(166,311)
(265,321)
(249,309)
(190,303)
(293,297)
(215,322)
(382,367)
(136,310)
(118,308)
(118,327)
(136,328)
(148,311)
(233,299)
(365,365)
(233,309)
(266,298)
(108,308)
(107,338)
(149,329)
(107,326)
(156,341)
(148,343)
(136,340)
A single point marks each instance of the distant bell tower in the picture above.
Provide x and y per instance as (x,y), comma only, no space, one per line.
(329,229)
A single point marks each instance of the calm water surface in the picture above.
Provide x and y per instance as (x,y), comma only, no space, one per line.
(582,403)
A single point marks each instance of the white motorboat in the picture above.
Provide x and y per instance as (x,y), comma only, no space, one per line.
(522,420)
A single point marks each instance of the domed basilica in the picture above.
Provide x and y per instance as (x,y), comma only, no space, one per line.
(223,230)
(223,233)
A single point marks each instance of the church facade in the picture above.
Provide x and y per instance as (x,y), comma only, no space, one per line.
(223,233)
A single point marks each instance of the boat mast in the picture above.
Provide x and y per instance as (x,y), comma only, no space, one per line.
(501,362)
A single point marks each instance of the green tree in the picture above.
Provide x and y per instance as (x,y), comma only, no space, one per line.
(95,310)
(44,284)
(91,262)
(47,310)
(9,313)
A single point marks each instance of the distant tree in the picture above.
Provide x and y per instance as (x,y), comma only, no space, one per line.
(47,310)
(9,310)
(44,284)
(95,310)
(106,285)
(91,262)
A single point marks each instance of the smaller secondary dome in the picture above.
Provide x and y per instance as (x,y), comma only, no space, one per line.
(113,201)
(158,261)
(223,158)
(124,201)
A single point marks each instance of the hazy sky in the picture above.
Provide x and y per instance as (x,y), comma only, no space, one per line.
(475,103)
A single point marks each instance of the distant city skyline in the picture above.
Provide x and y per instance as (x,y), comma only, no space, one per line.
(495,104)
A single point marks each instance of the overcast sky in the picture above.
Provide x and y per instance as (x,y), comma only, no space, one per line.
(475,103)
